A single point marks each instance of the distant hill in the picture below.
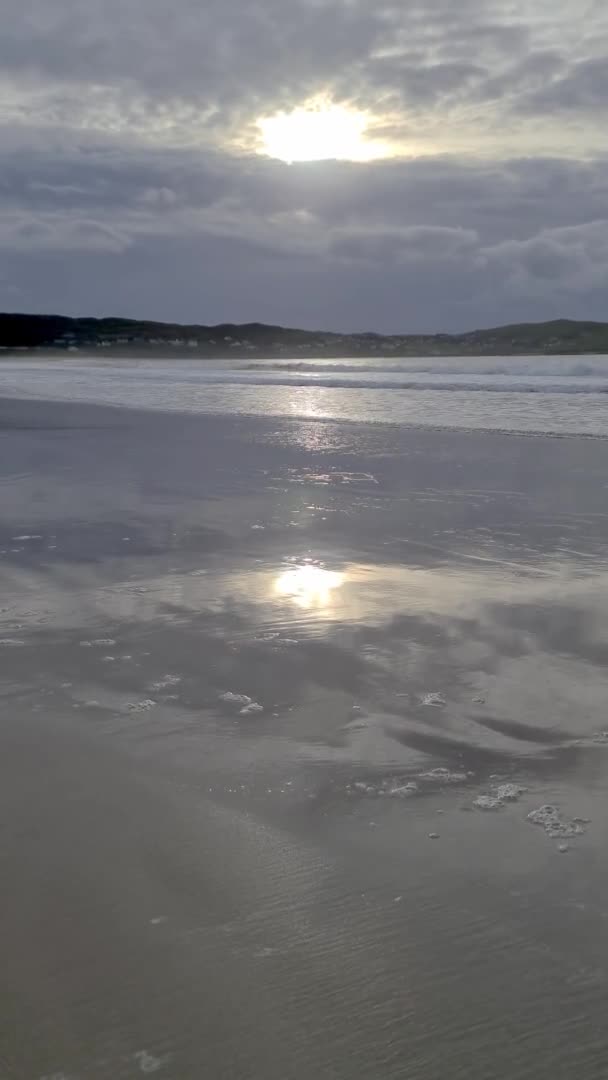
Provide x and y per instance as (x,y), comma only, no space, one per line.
(132,337)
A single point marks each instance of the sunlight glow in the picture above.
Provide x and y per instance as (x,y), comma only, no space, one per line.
(308,586)
(319,131)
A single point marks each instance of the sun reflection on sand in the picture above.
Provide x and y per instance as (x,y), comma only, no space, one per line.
(308,585)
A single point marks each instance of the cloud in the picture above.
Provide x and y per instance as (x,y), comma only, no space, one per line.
(576,256)
(130,181)
(419,242)
(192,72)
(583,88)
(59,233)
(440,242)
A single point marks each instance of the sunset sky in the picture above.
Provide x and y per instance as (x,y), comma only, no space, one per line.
(173,161)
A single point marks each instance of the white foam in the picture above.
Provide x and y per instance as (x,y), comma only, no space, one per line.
(397,788)
(165,682)
(98,643)
(443,776)
(141,706)
(509,792)
(497,798)
(549,818)
(235,699)
(249,710)
(246,706)
(400,791)
(391,789)
(487,802)
(434,699)
(147,1063)
(11,643)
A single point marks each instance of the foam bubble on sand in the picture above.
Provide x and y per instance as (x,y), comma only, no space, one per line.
(509,792)
(165,682)
(391,789)
(97,643)
(436,700)
(141,706)
(146,1062)
(245,705)
(276,640)
(236,699)
(504,793)
(487,802)
(11,643)
(249,710)
(402,791)
(398,788)
(550,819)
(443,776)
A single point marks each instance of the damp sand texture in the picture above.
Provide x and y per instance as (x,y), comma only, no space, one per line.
(302,751)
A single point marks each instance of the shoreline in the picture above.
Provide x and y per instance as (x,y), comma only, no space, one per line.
(7,401)
(257,675)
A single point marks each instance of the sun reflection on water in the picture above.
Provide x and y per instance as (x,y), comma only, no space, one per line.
(308,585)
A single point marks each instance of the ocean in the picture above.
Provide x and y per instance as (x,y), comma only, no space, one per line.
(565,395)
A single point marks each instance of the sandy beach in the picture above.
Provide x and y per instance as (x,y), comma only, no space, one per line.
(279,697)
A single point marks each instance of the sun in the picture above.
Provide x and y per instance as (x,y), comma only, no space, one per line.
(319,131)
(308,585)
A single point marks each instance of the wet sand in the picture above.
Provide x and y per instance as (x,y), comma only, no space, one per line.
(195,887)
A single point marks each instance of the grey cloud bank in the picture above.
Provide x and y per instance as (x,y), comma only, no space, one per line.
(130,182)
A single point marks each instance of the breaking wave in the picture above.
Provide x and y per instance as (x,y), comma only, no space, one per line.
(564,395)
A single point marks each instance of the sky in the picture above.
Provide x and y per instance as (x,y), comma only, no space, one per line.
(416,166)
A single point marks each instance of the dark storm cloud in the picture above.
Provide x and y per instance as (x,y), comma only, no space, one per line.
(127,184)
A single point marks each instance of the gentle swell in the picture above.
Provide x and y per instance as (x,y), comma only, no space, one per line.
(528,366)
(376,381)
